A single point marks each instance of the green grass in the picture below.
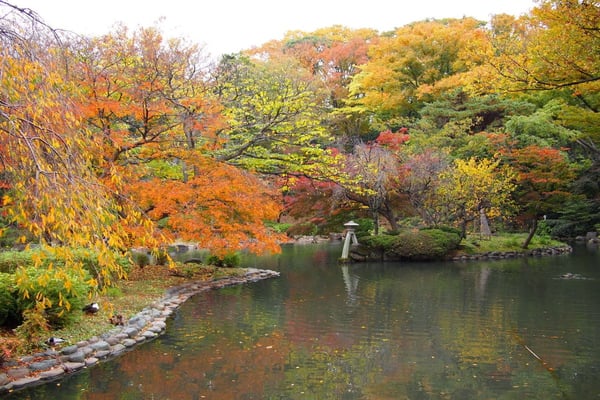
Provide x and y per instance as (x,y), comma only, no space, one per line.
(504,242)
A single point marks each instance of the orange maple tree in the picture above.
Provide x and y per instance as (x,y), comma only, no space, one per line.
(543,178)
(151,109)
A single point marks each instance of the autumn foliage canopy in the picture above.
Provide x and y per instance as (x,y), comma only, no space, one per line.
(133,139)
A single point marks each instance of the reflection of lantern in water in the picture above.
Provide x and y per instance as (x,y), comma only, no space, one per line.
(350,236)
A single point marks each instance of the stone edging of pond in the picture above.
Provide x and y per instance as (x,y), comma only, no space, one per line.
(498,255)
(149,323)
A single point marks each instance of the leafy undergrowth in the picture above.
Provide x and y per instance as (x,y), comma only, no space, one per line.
(505,242)
(142,287)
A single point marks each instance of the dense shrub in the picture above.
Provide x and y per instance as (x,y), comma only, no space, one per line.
(427,244)
(60,291)
(231,260)
(382,242)
(11,260)
(444,228)
(438,242)
(365,227)
(279,227)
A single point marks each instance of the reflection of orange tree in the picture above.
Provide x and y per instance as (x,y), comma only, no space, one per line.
(223,369)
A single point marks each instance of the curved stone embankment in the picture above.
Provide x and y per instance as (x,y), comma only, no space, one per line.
(498,255)
(146,325)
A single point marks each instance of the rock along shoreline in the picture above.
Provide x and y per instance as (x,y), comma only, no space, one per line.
(51,365)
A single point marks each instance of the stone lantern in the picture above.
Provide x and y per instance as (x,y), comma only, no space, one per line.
(350,237)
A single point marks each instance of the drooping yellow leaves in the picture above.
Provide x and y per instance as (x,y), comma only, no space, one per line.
(49,160)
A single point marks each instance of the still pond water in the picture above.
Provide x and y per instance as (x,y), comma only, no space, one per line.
(470,330)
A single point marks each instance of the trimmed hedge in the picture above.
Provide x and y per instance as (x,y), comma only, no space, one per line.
(11,260)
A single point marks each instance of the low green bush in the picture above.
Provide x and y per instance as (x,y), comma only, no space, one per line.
(231,260)
(60,291)
(382,242)
(441,242)
(444,228)
(11,260)
(365,227)
(279,227)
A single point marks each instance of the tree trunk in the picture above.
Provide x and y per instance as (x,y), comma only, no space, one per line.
(184,171)
(463,223)
(391,217)
(375,223)
(534,225)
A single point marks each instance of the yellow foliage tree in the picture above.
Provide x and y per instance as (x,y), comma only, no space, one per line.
(473,188)
(47,157)
(418,60)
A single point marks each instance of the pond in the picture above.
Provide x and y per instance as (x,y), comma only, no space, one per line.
(510,329)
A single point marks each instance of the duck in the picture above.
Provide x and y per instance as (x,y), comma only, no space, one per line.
(53,341)
(91,308)
(117,320)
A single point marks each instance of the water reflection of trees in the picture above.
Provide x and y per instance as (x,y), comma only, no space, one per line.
(374,331)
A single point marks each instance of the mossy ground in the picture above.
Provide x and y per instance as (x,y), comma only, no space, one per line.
(504,242)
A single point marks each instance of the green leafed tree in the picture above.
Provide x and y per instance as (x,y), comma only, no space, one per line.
(273,112)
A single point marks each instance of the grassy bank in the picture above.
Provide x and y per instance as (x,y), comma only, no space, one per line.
(128,297)
(505,242)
